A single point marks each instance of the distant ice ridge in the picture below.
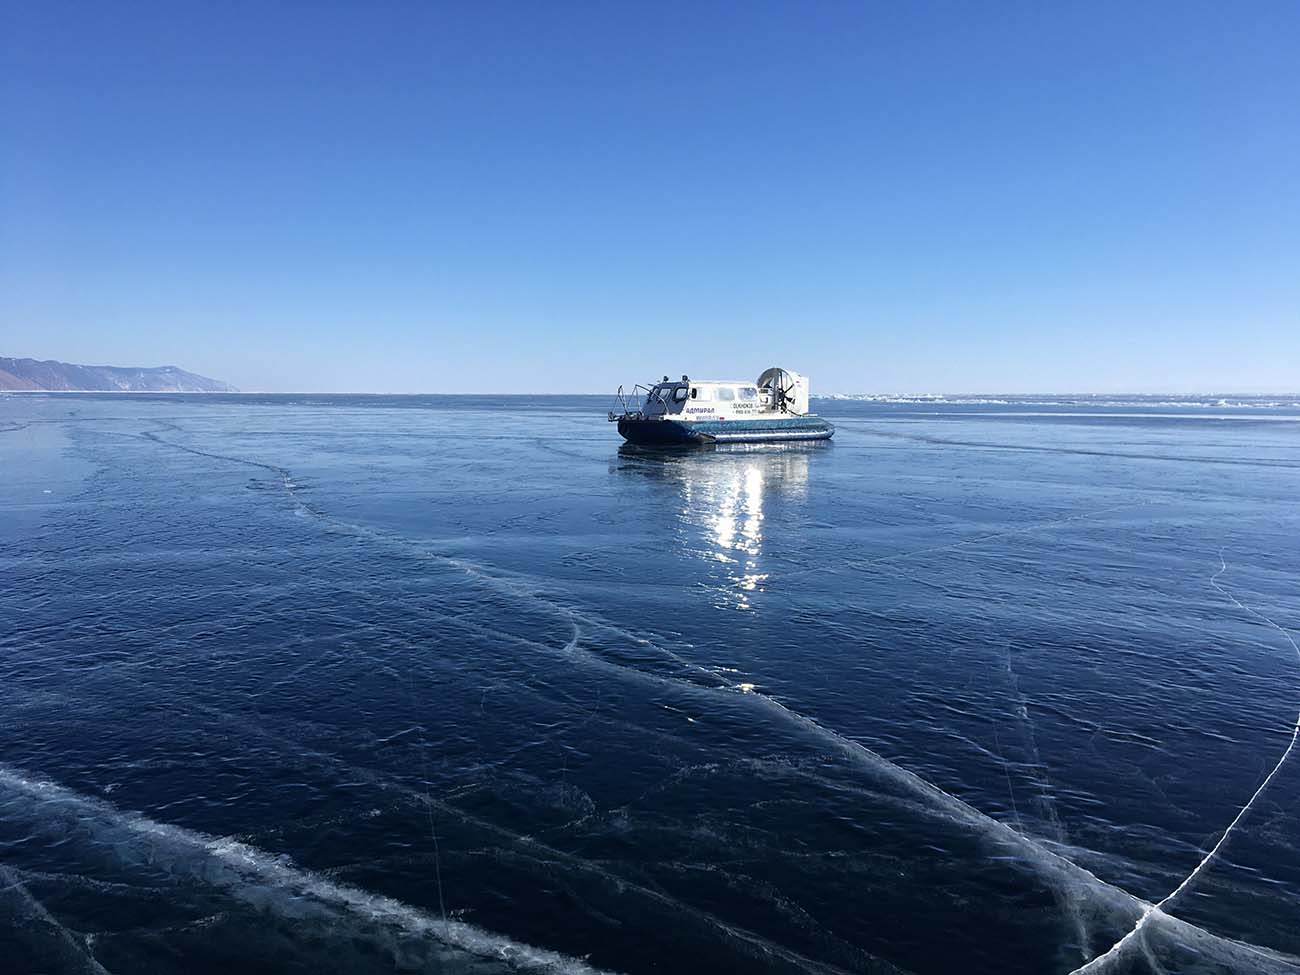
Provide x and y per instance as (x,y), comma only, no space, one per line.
(1105,400)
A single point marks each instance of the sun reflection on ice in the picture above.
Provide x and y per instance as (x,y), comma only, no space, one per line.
(726,495)
(725,500)
(736,521)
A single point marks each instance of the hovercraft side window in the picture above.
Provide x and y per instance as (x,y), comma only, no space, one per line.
(749,393)
(726,393)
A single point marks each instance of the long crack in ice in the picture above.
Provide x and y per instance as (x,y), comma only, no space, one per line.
(1155,910)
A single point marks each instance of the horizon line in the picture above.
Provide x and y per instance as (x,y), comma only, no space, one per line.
(899,395)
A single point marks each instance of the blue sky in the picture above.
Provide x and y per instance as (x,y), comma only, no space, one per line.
(565,196)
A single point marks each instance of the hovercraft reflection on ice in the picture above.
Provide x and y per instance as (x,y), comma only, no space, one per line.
(773,408)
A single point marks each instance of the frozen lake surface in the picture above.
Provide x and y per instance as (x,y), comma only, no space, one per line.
(363,684)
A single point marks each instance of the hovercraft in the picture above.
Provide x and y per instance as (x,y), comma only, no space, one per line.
(693,411)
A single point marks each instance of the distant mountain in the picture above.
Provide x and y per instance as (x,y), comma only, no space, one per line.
(51,375)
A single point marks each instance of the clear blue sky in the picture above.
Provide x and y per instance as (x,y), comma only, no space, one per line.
(552,196)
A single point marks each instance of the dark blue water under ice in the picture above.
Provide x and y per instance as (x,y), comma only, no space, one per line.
(371,684)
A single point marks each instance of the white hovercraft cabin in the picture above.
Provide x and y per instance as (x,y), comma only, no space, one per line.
(772,408)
